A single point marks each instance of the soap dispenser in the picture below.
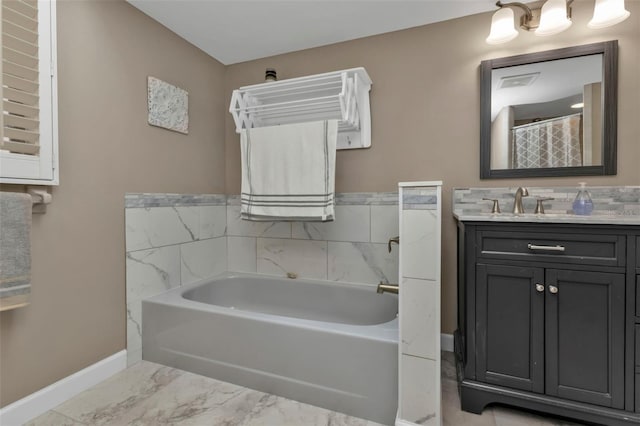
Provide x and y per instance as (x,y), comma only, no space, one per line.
(582,205)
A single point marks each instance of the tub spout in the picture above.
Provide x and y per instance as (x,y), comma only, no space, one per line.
(388,288)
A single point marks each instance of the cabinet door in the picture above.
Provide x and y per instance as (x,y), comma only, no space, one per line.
(510,326)
(585,336)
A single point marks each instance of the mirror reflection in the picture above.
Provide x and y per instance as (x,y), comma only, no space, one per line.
(550,113)
(547,114)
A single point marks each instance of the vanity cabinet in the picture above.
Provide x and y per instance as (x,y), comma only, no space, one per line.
(544,320)
(530,321)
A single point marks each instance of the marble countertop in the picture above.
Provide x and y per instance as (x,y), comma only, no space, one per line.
(614,205)
(596,219)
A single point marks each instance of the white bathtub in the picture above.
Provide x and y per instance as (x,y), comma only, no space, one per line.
(333,345)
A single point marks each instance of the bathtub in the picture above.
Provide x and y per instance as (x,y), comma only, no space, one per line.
(333,345)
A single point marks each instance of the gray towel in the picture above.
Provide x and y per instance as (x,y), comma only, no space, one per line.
(15,249)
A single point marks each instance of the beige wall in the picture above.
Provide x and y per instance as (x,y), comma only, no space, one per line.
(425,109)
(77,313)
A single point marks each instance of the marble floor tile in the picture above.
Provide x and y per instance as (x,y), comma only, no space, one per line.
(149,394)
(506,416)
(272,410)
(193,400)
(51,418)
(453,416)
(492,415)
(118,395)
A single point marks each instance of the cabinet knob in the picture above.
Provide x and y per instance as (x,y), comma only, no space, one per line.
(539,288)
(553,289)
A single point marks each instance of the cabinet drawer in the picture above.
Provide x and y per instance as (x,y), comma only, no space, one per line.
(604,250)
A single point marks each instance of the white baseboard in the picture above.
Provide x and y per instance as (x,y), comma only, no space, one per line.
(55,394)
(446,342)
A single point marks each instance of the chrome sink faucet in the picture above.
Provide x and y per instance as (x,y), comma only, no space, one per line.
(517,202)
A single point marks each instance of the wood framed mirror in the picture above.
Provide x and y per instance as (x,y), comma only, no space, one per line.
(551,113)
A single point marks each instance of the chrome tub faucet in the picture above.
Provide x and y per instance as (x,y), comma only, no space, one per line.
(387,288)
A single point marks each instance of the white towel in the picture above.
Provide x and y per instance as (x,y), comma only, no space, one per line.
(288,171)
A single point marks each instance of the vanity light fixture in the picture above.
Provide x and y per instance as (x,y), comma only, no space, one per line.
(607,13)
(552,18)
(579,105)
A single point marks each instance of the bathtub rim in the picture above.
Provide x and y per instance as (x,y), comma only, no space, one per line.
(386,331)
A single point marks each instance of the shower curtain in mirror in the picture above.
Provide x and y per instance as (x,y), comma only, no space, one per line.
(556,142)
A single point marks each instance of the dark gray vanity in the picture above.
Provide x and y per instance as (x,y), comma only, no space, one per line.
(549,315)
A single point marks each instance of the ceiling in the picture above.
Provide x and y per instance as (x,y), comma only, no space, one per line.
(235,31)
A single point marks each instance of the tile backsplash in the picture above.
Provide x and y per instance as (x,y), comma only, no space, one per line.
(607,200)
(176,239)
(353,248)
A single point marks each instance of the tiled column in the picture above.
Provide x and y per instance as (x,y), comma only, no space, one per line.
(419,361)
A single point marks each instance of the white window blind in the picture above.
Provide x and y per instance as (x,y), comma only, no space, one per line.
(28,142)
(20,99)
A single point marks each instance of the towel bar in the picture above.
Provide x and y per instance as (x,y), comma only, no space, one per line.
(341,95)
(40,198)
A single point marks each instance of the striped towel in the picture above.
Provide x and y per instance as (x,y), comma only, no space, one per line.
(288,172)
(15,250)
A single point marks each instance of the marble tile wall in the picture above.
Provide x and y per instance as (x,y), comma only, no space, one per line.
(171,240)
(420,400)
(176,239)
(607,200)
(353,248)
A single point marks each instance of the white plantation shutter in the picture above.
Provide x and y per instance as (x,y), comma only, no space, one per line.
(20,100)
(28,143)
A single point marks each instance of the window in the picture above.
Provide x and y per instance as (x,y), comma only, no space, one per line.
(28,123)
